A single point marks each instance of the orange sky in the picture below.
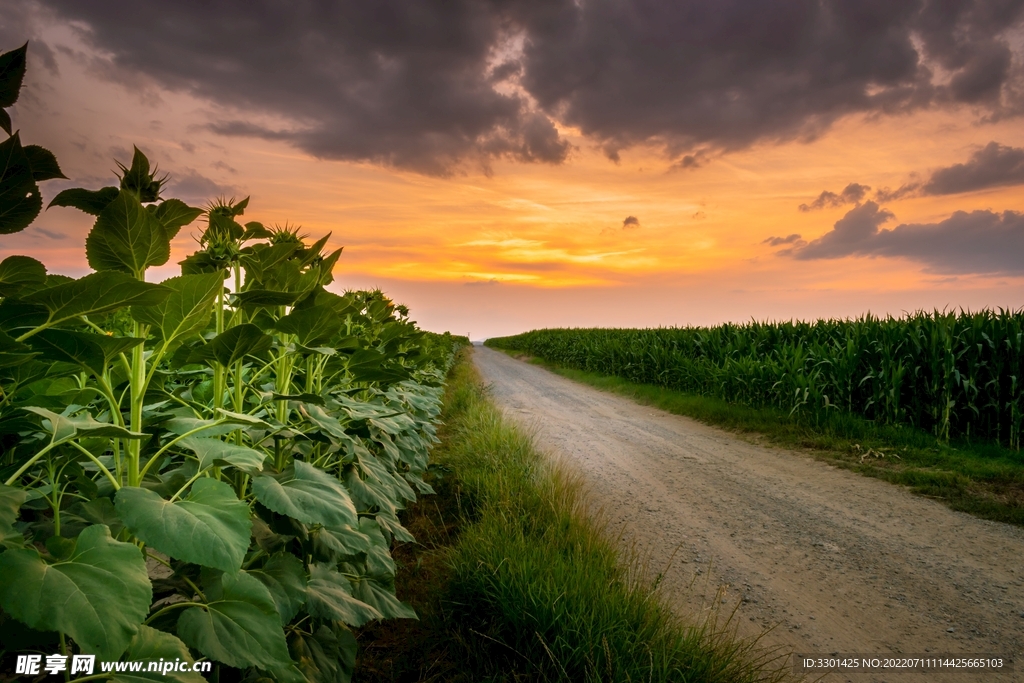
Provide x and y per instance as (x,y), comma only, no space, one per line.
(531,245)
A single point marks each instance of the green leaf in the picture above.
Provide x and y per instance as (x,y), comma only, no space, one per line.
(5,121)
(255,230)
(285,578)
(383,600)
(209,527)
(63,428)
(378,557)
(12,72)
(311,326)
(234,344)
(187,309)
(151,645)
(126,237)
(20,201)
(211,451)
(329,596)
(90,201)
(99,595)
(239,626)
(255,298)
(219,427)
(94,294)
(13,353)
(336,542)
(92,352)
(328,656)
(307,494)
(20,272)
(43,164)
(11,500)
(175,214)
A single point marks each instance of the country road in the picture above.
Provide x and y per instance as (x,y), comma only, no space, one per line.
(834,561)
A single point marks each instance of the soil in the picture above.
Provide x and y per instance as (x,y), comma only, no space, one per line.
(814,559)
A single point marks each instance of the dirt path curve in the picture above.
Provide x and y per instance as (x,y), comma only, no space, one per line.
(837,562)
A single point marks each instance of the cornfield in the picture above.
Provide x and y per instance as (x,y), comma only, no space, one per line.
(956,375)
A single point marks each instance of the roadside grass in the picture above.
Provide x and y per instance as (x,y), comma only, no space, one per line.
(982,479)
(514,582)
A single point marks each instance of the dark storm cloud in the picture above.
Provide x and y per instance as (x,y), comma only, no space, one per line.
(428,85)
(851,194)
(980,242)
(994,165)
(631,222)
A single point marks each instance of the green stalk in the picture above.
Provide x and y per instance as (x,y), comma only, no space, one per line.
(136,398)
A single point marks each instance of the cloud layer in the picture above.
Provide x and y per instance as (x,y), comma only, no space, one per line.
(427,86)
(994,165)
(980,242)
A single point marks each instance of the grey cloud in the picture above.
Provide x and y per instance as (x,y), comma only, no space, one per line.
(728,73)
(195,188)
(884,194)
(631,222)
(779,241)
(851,194)
(994,165)
(431,85)
(980,242)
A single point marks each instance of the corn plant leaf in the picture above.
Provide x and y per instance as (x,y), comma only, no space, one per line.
(127,238)
(94,294)
(209,527)
(329,596)
(92,352)
(211,451)
(90,201)
(382,599)
(12,73)
(20,272)
(239,626)
(307,494)
(98,595)
(20,201)
(285,578)
(151,645)
(175,214)
(43,163)
(63,428)
(186,310)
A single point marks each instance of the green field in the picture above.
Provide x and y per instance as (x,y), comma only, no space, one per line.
(932,401)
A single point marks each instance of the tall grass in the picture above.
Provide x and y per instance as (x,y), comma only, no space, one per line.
(538,592)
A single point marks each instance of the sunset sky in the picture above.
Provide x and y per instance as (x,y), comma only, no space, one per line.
(503,166)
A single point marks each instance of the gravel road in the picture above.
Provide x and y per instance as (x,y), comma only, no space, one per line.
(830,561)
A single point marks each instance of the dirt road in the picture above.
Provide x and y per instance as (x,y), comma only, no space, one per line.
(835,562)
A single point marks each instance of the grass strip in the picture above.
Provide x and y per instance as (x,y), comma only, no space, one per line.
(983,479)
(513,582)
